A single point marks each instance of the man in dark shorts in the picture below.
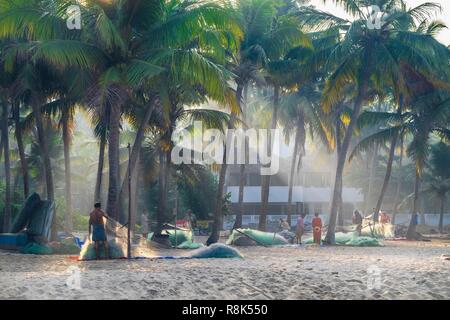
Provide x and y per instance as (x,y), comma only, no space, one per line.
(357,220)
(97,225)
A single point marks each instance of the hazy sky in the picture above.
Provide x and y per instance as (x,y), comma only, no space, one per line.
(444,36)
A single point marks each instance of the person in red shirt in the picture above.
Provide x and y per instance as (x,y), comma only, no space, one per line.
(317,228)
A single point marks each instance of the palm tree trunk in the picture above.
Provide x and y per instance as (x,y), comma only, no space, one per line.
(372,172)
(101,159)
(43,146)
(5,139)
(112,206)
(411,234)
(337,192)
(340,214)
(400,180)
(134,194)
(441,215)
(242,177)
(214,237)
(161,213)
(20,146)
(387,177)
(1,147)
(265,180)
(140,135)
(292,174)
(67,170)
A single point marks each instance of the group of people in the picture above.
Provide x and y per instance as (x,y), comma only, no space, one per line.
(381,217)
(300,227)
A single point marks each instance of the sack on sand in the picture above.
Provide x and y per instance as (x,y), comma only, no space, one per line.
(36,248)
(88,252)
(260,237)
(216,250)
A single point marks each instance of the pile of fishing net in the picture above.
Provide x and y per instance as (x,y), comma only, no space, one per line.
(351,239)
(115,251)
(378,230)
(244,237)
(181,239)
(36,248)
(65,246)
(216,250)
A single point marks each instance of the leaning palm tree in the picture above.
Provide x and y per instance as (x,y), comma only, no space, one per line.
(367,55)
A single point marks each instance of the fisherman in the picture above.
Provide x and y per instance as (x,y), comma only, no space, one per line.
(384,218)
(284,225)
(192,220)
(97,226)
(300,228)
(357,220)
(317,228)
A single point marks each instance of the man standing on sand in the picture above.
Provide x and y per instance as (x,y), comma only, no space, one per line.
(300,228)
(317,228)
(357,220)
(97,226)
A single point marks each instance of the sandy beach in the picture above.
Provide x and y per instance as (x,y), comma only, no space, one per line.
(399,270)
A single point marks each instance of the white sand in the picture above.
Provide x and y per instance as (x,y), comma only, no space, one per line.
(409,270)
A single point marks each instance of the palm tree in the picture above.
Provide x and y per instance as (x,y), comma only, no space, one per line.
(283,34)
(254,17)
(301,113)
(365,55)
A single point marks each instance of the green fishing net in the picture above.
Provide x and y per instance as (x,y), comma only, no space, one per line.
(115,251)
(350,239)
(260,237)
(190,245)
(179,237)
(36,248)
(216,250)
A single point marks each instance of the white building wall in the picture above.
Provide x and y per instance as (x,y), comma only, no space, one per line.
(299,194)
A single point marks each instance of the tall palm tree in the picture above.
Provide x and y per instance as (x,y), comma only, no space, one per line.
(301,114)
(282,35)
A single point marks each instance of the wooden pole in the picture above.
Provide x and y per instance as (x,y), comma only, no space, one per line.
(129,205)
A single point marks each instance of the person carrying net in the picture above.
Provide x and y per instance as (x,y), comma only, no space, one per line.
(97,229)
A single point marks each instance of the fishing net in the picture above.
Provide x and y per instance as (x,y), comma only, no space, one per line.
(115,251)
(216,250)
(351,239)
(178,237)
(259,237)
(378,230)
(190,245)
(65,246)
(36,248)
